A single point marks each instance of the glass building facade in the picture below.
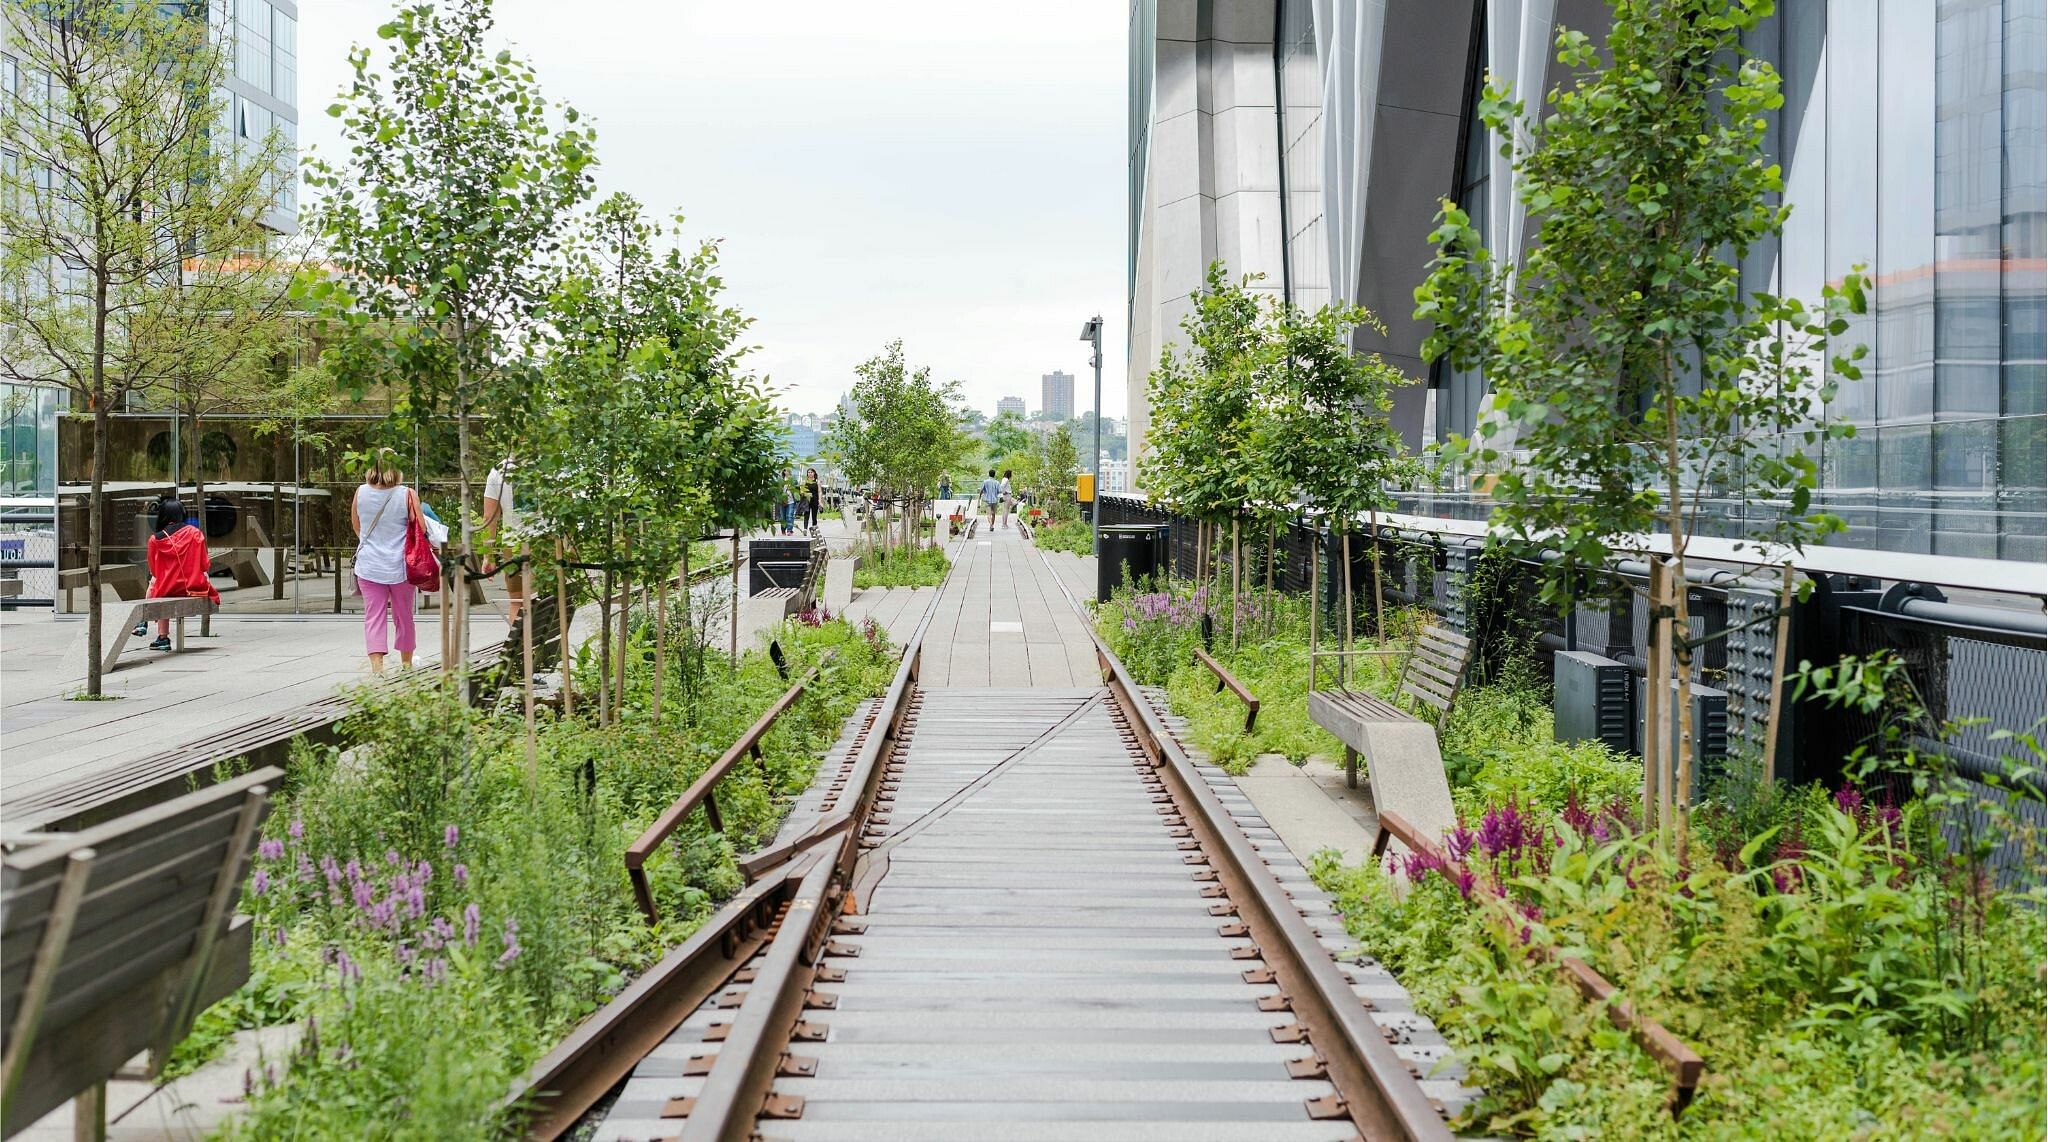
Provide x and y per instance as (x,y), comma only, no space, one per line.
(1912,141)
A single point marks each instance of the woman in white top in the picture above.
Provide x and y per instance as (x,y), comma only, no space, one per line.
(1009,495)
(382,508)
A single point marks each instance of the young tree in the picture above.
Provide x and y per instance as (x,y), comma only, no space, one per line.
(645,433)
(1006,436)
(1206,403)
(117,185)
(1325,434)
(904,433)
(1641,381)
(455,192)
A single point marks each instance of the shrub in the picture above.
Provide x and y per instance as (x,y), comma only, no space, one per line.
(886,567)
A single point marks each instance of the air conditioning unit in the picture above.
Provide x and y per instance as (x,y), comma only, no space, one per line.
(1595,700)
(1709,730)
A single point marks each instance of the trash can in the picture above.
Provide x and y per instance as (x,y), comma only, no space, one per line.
(1133,545)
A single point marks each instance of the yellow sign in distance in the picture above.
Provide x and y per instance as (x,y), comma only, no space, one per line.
(1084,488)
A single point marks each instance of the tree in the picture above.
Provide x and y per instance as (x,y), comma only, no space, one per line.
(1325,433)
(118,184)
(904,434)
(455,192)
(1006,436)
(1637,376)
(1206,404)
(645,432)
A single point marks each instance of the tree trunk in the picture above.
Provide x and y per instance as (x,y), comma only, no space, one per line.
(1657,709)
(1770,768)
(563,613)
(526,680)
(1315,600)
(604,652)
(1681,667)
(95,514)
(199,516)
(1349,624)
(1272,541)
(733,629)
(1379,594)
(1236,579)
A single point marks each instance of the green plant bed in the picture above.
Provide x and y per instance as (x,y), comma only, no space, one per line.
(1845,969)
(436,919)
(1072,536)
(919,567)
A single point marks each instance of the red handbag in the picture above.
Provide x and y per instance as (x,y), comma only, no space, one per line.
(422,566)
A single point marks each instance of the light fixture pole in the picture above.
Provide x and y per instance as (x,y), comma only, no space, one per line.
(1091,332)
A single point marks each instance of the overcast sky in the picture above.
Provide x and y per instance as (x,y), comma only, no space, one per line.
(948,173)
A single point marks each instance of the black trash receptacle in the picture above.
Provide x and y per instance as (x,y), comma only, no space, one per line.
(1135,545)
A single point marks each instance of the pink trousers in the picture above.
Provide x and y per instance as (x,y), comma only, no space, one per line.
(379,600)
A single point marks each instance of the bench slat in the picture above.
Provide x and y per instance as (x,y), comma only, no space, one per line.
(110,882)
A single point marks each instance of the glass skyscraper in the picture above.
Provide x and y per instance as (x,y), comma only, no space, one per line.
(1912,140)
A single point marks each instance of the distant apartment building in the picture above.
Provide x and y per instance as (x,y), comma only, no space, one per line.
(1116,476)
(1010,404)
(1056,395)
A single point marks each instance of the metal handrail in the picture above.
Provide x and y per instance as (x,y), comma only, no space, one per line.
(1225,680)
(703,791)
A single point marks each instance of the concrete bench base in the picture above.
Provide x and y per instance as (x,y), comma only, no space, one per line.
(1402,758)
(152,610)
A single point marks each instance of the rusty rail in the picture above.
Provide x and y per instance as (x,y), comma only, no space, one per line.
(1225,680)
(1683,1063)
(704,791)
(1375,1088)
(604,1049)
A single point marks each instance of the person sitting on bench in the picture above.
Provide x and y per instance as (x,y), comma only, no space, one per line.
(178,564)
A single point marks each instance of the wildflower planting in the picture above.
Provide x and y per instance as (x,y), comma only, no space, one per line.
(434,918)
(1846,961)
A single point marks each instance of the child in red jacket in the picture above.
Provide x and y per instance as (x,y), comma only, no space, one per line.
(178,564)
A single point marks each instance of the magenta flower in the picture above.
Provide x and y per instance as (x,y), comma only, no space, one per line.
(259,882)
(270,849)
(451,837)
(461,874)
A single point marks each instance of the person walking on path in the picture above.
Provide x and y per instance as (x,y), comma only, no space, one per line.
(991,494)
(1008,496)
(813,494)
(178,563)
(383,508)
(502,517)
(789,495)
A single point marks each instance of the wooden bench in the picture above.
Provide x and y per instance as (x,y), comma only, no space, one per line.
(129,581)
(114,939)
(151,610)
(1403,759)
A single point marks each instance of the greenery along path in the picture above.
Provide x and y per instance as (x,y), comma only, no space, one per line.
(434,920)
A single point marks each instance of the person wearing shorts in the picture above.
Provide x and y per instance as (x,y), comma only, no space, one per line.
(991,494)
(502,516)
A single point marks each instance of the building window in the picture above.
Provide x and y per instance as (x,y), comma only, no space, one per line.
(284,67)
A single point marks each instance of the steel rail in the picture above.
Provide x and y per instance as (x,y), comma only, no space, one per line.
(559,1089)
(605,1048)
(1380,1095)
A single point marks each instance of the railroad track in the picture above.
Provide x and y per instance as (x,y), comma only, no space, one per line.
(1018,915)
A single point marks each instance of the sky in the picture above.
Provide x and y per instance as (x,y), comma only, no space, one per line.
(949,174)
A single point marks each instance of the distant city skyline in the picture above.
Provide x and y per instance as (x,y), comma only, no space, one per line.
(1011,404)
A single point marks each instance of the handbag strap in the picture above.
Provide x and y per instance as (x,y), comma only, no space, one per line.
(379,515)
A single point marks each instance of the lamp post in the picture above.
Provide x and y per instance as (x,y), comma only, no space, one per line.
(1091,332)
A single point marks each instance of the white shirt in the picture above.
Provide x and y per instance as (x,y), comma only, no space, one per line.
(1006,487)
(380,550)
(497,487)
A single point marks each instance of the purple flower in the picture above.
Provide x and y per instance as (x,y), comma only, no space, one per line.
(451,837)
(461,874)
(391,857)
(354,870)
(270,849)
(364,895)
(259,882)
(1464,880)
(347,967)
(1458,842)
(436,970)
(332,869)
(1848,799)
(1500,831)
(298,829)
(305,869)
(471,920)
(511,942)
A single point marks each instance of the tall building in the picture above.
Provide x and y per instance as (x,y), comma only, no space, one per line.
(1010,404)
(1311,142)
(1056,395)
